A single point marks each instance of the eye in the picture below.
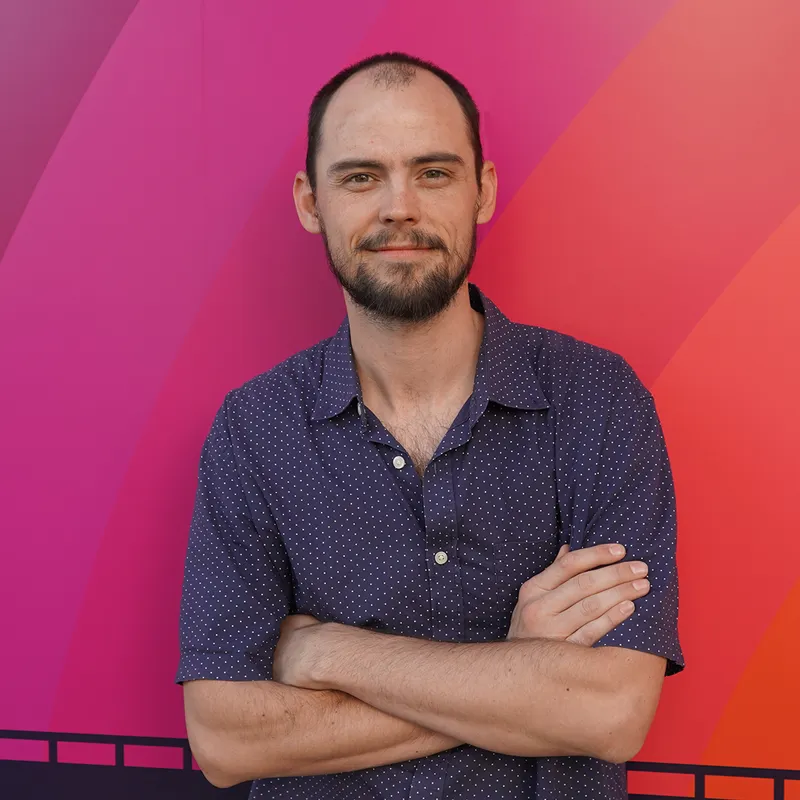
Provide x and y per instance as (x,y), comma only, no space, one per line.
(356,178)
(434,173)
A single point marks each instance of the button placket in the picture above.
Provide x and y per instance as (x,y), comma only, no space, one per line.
(444,573)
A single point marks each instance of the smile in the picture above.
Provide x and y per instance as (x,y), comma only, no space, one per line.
(400,251)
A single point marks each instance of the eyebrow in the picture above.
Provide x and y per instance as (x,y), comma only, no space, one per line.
(347,164)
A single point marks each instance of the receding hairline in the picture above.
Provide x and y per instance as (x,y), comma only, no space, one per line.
(389,70)
(390,75)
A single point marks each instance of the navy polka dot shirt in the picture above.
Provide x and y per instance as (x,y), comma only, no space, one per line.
(307,504)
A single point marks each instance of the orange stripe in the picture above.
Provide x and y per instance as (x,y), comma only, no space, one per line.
(669,179)
(727,401)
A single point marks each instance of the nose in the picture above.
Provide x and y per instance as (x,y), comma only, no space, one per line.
(399,203)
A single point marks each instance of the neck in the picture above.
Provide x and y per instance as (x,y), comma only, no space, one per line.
(417,364)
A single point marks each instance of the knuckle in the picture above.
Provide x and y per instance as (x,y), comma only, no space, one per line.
(586,581)
(530,615)
(589,606)
(602,554)
(620,590)
(570,561)
(579,637)
(624,592)
(624,572)
(528,591)
(603,629)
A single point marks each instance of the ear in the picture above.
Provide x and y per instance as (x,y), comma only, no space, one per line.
(305,203)
(487,199)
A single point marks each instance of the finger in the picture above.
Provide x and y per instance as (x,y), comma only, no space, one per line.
(596,605)
(592,632)
(575,562)
(587,584)
(563,550)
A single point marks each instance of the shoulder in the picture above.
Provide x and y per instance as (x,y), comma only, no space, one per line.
(281,396)
(576,373)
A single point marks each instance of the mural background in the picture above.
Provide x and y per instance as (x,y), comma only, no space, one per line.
(152,260)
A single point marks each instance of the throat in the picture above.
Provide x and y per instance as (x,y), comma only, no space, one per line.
(420,435)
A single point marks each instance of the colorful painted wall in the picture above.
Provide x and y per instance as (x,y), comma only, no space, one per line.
(151,260)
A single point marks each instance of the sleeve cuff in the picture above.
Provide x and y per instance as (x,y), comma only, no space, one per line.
(675,662)
(196,665)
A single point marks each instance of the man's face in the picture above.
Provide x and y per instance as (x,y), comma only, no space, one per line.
(397,196)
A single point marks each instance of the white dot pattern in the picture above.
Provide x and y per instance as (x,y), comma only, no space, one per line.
(301,508)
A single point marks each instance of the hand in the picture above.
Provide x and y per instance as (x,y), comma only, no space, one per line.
(574,602)
(298,651)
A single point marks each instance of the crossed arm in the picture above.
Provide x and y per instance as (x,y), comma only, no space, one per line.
(345,698)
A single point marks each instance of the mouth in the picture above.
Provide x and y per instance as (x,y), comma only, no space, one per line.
(402,251)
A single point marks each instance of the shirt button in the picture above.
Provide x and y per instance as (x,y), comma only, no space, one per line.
(440,557)
(360,408)
(399,462)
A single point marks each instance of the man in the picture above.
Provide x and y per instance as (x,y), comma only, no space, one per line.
(408,538)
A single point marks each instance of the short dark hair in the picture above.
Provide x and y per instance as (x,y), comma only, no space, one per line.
(403,75)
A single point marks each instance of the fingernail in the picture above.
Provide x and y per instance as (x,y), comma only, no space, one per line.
(638,568)
(642,584)
(617,550)
(627,607)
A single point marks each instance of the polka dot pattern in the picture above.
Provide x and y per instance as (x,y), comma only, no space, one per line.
(303,506)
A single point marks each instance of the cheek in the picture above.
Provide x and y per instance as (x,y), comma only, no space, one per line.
(452,218)
(459,235)
(346,225)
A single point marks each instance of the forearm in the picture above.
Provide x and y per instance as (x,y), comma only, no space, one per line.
(528,697)
(256,729)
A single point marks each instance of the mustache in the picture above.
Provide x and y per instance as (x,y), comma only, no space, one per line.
(414,237)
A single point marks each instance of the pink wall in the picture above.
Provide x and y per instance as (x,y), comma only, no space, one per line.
(151,260)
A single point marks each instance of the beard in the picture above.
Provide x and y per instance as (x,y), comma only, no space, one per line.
(416,290)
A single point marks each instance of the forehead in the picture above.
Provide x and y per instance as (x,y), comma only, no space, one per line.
(375,121)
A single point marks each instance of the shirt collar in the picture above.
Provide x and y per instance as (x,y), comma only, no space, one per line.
(504,373)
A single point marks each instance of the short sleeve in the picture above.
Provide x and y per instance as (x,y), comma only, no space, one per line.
(632,501)
(237,580)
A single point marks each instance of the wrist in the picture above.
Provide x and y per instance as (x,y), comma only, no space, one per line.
(332,652)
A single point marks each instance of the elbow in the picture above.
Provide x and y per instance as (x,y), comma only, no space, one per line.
(219,779)
(220,752)
(621,751)
(219,775)
(624,736)
(224,764)
(215,755)
(214,769)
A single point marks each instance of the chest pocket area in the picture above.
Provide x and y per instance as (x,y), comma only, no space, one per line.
(526,548)
(517,560)
(514,562)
